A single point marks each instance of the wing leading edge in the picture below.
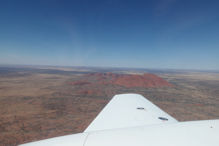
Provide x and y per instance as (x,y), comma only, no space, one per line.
(129,110)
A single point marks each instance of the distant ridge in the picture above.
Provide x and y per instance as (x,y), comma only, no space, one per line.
(101,83)
(130,80)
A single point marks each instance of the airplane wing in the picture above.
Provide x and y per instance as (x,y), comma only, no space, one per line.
(129,110)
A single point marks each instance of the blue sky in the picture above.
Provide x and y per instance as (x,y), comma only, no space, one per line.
(175,34)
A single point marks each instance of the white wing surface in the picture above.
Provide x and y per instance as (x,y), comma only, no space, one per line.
(196,133)
(129,110)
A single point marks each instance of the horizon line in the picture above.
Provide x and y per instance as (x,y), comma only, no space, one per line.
(106,67)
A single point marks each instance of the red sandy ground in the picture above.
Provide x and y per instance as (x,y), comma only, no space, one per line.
(39,106)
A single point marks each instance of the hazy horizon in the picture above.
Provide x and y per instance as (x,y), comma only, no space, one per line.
(107,67)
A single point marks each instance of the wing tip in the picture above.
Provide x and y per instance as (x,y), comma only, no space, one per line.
(128,94)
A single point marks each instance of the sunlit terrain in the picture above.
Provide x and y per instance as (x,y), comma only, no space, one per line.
(42,102)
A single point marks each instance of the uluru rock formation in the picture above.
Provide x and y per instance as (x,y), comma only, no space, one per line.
(126,80)
(106,84)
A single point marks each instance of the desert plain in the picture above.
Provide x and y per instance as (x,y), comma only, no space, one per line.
(39,102)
